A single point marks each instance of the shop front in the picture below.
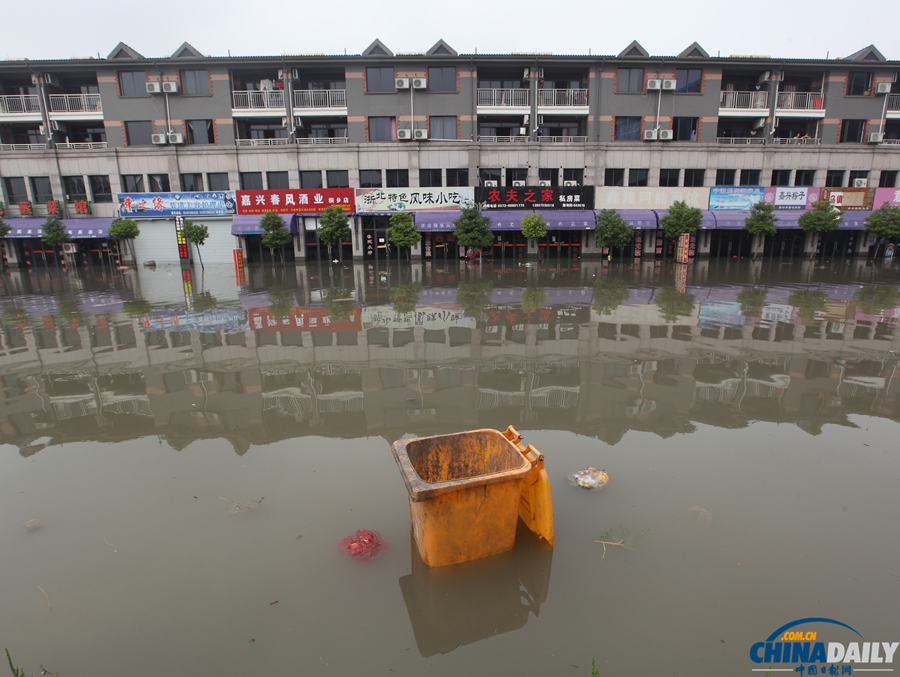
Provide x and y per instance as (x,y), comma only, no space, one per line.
(89,244)
(438,238)
(247,228)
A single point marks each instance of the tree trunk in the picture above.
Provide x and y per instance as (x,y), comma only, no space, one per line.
(200,256)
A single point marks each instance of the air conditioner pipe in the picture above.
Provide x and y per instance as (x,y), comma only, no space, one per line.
(659,94)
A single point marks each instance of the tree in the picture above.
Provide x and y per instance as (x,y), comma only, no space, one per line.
(884,222)
(54,232)
(125,229)
(752,300)
(136,308)
(808,302)
(471,229)
(873,300)
(533,226)
(611,230)
(196,234)
(674,304)
(681,219)
(533,298)
(473,296)
(609,293)
(402,232)
(405,296)
(4,228)
(339,307)
(334,227)
(762,219)
(822,218)
(275,234)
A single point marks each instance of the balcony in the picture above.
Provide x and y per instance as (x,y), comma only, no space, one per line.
(75,107)
(563,98)
(22,146)
(266,103)
(504,139)
(20,108)
(562,139)
(83,145)
(800,104)
(322,140)
(743,103)
(245,143)
(893,106)
(754,141)
(329,101)
(504,101)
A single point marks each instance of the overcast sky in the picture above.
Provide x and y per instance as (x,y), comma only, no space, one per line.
(777,28)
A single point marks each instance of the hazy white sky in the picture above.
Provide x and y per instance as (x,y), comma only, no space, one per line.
(777,28)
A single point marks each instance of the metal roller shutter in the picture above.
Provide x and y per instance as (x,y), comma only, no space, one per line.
(219,244)
(156,242)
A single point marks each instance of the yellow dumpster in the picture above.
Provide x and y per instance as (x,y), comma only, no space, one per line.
(466,491)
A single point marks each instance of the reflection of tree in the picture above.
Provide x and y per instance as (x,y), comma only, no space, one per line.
(609,293)
(204,301)
(473,296)
(17,316)
(68,310)
(533,299)
(873,300)
(674,304)
(137,308)
(405,296)
(752,300)
(808,302)
(282,300)
(338,306)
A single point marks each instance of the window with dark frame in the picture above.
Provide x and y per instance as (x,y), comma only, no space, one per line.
(549,175)
(199,132)
(725,177)
(132,183)
(489,174)
(859,83)
(575,174)
(685,128)
(277,180)
(442,127)
(638,177)
(458,177)
(15,189)
(834,178)
(750,177)
(195,82)
(379,80)
(380,128)
(396,178)
(370,178)
(139,132)
(668,178)
(133,84)
(852,131)
(442,79)
(694,178)
(430,178)
(855,175)
(337,178)
(218,181)
(159,183)
(100,188)
(251,180)
(311,178)
(614,177)
(629,81)
(192,183)
(781,177)
(41,189)
(628,128)
(688,80)
(75,189)
(516,174)
(805,177)
(888,178)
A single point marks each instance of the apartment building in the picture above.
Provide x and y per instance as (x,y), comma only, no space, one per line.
(636,130)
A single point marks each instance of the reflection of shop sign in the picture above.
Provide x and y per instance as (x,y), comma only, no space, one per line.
(299,201)
(638,243)
(412,199)
(532,197)
(303,319)
(429,318)
(370,244)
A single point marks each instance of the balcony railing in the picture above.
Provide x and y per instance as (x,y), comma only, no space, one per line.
(891,142)
(505,139)
(284,141)
(796,142)
(893,102)
(562,97)
(258,99)
(325,140)
(20,103)
(740,140)
(82,145)
(801,101)
(562,139)
(744,100)
(504,98)
(75,103)
(319,98)
(23,146)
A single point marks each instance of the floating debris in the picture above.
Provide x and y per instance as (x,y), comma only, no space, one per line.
(365,544)
(703,516)
(589,478)
(237,507)
(33,525)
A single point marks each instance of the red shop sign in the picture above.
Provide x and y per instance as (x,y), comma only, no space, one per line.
(294,201)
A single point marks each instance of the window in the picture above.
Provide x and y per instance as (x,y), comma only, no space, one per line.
(159,183)
(725,177)
(628,128)
(133,83)
(669,177)
(694,178)
(382,129)
(217,181)
(429,178)
(781,177)
(888,179)
(750,177)
(138,132)
(638,177)
(75,190)
(15,189)
(685,129)
(688,80)
(40,188)
(311,179)
(100,190)
(396,178)
(442,79)
(192,183)
(805,177)
(458,177)
(338,178)
(856,174)
(442,126)
(614,177)
(489,175)
(834,178)
(251,180)
(370,178)
(852,131)
(549,174)
(199,132)
(629,80)
(132,183)
(379,80)
(277,180)
(195,83)
(516,174)
(859,83)
(576,175)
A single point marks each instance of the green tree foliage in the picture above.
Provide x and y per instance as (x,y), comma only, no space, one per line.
(204,301)
(873,300)
(822,218)
(884,221)
(533,299)
(55,232)
(339,307)
(405,296)
(4,228)
(275,234)
(471,229)
(808,302)
(762,219)
(334,227)
(196,234)
(611,230)
(402,232)
(473,296)
(681,219)
(674,304)
(283,298)
(609,293)
(136,308)
(534,226)
(752,300)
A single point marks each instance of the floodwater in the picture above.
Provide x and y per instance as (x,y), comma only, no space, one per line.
(747,415)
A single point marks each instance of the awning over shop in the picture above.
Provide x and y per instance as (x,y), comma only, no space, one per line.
(435,221)
(506,219)
(728,219)
(248,224)
(642,219)
(854,220)
(708,222)
(787,218)
(563,219)
(78,229)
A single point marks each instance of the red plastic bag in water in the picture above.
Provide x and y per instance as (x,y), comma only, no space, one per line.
(365,544)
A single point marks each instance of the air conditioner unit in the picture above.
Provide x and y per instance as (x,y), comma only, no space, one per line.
(154,88)
(56,126)
(760,123)
(668,85)
(42,130)
(159,139)
(298,122)
(523,131)
(571,184)
(778,75)
(404,134)
(860,183)
(883,88)
(764,77)
(666,134)
(47,79)
(176,138)
(68,247)
(526,74)
(518,184)
(419,83)
(654,84)
(284,122)
(526,119)
(170,87)
(540,119)
(420,134)
(544,184)
(876,137)
(490,184)
(650,135)
(401,83)
(294,74)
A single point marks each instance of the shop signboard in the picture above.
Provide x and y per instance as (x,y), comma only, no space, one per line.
(617,197)
(294,201)
(735,197)
(850,199)
(536,197)
(168,205)
(381,200)
(889,195)
(792,197)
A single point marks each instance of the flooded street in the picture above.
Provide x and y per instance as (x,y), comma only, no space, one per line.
(182,451)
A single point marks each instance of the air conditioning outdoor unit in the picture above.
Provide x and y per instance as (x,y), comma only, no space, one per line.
(284,122)
(526,119)
(419,83)
(518,184)
(760,123)
(883,88)
(294,74)
(154,88)
(650,135)
(544,184)
(523,131)
(860,183)
(42,130)
(404,134)
(159,139)
(668,85)
(764,77)
(68,247)
(401,83)
(570,183)
(654,84)
(666,134)
(298,122)
(56,126)
(876,137)
(176,138)
(490,184)
(170,87)
(420,134)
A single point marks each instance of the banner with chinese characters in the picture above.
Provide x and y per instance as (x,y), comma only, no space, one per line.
(164,205)
(374,317)
(616,197)
(304,318)
(536,197)
(850,199)
(412,199)
(294,201)
(735,197)
(889,195)
(791,197)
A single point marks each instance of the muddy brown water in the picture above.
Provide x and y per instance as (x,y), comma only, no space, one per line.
(746,415)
